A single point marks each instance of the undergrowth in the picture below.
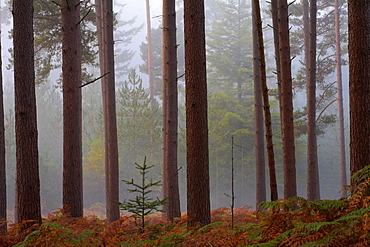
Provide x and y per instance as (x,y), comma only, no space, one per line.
(343,222)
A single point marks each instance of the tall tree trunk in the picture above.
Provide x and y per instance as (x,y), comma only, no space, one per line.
(99,10)
(109,109)
(258,118)
(342,148)
(150,66)
(266,104)
(2,150)
(170,120)
(198,194)
(275,24)
(359,83)
(72,109)
(27,177)
(313,183)
(290,184)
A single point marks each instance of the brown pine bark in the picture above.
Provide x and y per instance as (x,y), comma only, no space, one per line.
(72,109)
(150,67)
(2,151)
(313,183)
(198,194)
(109,110)
(359,84)
(258,118)
(342,148)
(290,184)
(170,100)
(266,103)
(27,205)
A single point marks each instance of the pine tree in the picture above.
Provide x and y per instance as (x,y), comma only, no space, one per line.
(139,126)
(142,205)
(290,184)
(198,192)
(170,110)
(72,109)
(359,86)
(28,208)
(229,47)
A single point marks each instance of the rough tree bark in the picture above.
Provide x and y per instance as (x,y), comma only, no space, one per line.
(170,102)
(290,184)
(27,205)
(72,109)
(198,194)
(359,84)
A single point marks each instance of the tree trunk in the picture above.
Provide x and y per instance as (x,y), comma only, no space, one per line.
(342,148)
(169,73)
(27,177)
(290,184)
(198,194)
(150,67)
(359,84)
(2,151)
(72,109)
(313,183)
(109,109)
(258,119)
(99,9)
(266,104)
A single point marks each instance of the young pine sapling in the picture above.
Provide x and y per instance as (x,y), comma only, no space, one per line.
(142,204)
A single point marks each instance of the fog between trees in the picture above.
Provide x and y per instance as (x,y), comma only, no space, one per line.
(230,101)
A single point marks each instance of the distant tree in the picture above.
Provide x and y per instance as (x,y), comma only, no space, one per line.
(3,204)
(290,184)
(359,86)
(138,124)
(170,110)
(156,60)
(338,54)
(107,70)
(258,111)
(150,48)
(198,192)
(156,64)
(229,47)
(72,108)
(28,208)
(325,61)
(229,117)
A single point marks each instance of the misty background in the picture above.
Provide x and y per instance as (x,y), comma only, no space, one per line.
(227,117)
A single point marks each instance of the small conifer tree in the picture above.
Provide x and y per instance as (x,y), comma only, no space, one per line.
(142,204)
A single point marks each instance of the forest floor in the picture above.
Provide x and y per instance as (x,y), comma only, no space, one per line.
(293,222)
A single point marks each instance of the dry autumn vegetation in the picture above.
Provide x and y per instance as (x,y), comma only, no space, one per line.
(343,222)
